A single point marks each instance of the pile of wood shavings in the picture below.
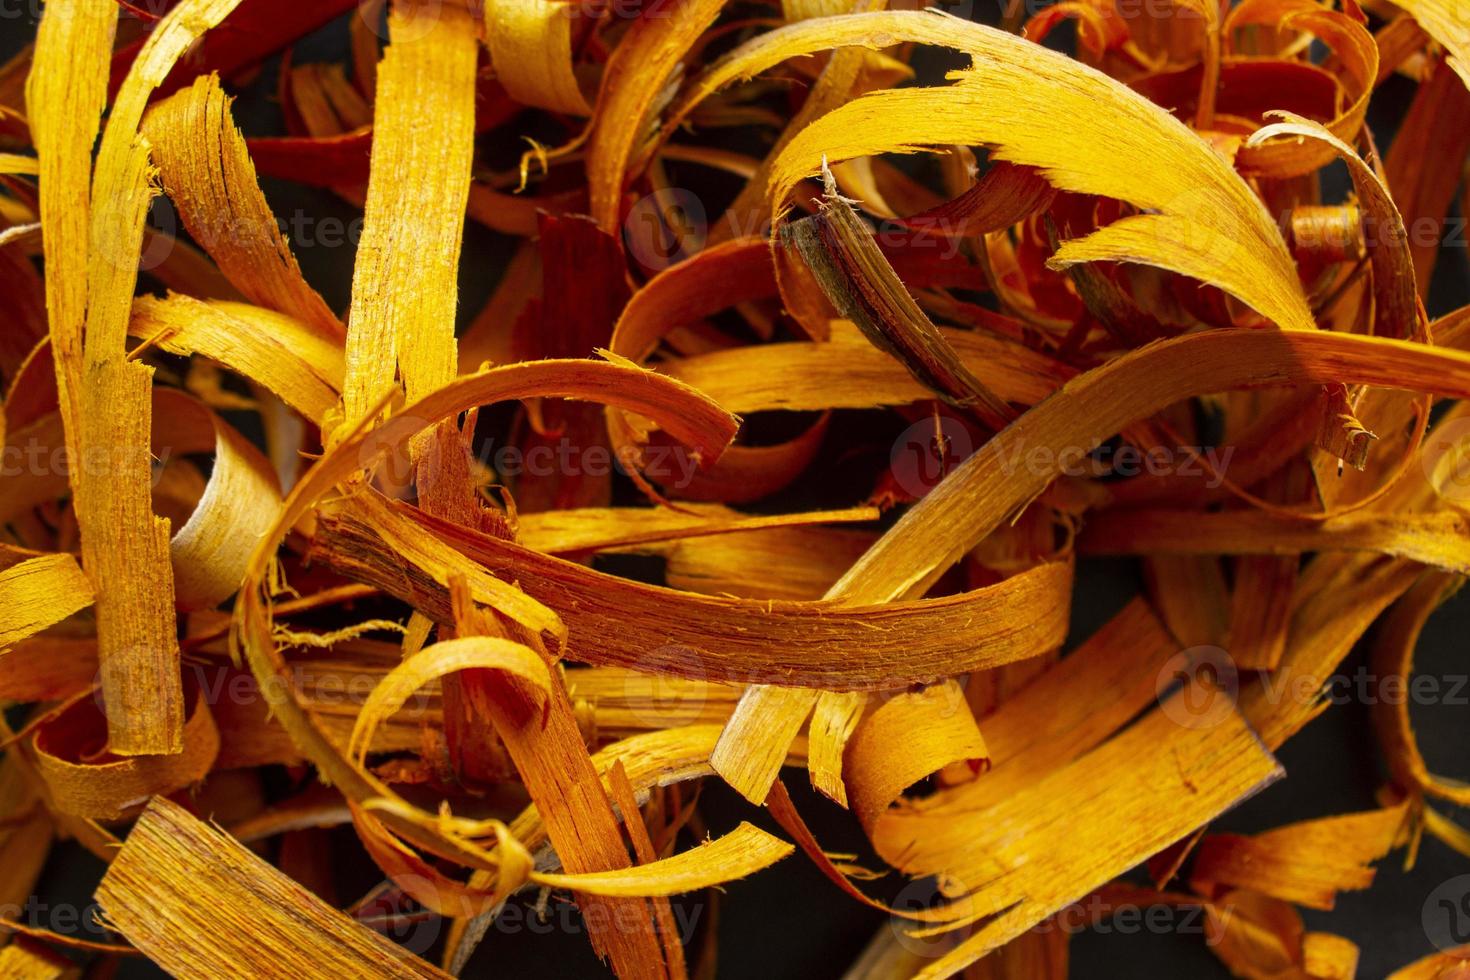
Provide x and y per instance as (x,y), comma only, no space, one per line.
(923,340)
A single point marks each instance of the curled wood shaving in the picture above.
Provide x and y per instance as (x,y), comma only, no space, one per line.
(172,860)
